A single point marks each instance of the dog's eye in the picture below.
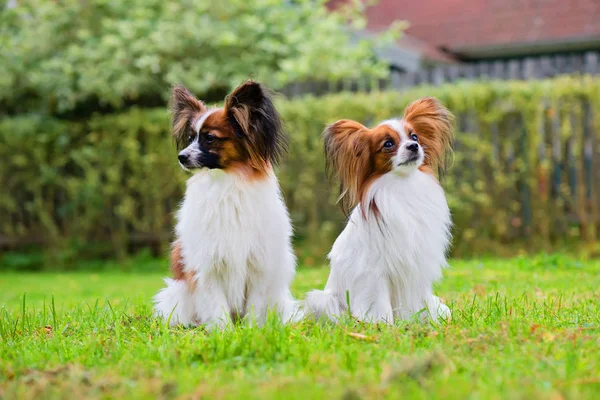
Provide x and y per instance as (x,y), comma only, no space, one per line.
(190,138)
(210,138)
(388,144)
(414,137)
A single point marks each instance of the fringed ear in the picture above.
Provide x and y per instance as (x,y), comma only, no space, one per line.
(432,122)
(185,110)
(250,110)
(348,159)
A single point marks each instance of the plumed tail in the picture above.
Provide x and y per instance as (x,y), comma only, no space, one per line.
(174,303)
(323,305)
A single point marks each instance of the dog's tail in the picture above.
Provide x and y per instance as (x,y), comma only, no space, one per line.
(323,305)
(174,303)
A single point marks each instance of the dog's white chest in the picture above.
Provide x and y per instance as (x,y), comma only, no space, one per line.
(416,212)
(225,223)
(410,236)
(417,223)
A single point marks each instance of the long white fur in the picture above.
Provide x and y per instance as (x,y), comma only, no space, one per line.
(235,237)
(386,267)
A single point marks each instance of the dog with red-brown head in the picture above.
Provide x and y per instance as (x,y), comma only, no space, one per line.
(244,136)
(232,257)
(394,245)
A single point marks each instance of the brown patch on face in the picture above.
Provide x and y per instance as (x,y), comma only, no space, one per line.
(432,123)
(230,148)
(385,142)
(357,156)
(178,268)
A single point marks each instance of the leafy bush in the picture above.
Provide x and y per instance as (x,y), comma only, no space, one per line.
(82,55)
(101,186)
(525,171)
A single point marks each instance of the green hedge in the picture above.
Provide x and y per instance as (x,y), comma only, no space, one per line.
(525,171)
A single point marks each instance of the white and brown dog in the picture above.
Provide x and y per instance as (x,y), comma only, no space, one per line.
(233,256)
(393,249)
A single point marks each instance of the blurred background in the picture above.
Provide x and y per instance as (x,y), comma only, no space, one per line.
(89,172)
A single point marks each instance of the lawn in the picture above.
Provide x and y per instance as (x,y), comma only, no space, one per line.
(521,328)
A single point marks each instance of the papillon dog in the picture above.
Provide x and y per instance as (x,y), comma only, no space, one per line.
(393,248)
(232,257)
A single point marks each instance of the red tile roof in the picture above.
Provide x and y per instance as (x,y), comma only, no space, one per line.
(459,25)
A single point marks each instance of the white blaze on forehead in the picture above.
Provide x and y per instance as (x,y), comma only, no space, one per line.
(397,125)
(198,124)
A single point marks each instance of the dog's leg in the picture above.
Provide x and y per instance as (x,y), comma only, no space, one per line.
(281,299)
(212,307)
(291,309)
(371,301)
(257,304)
(261,302)
(269,291)
(437,310)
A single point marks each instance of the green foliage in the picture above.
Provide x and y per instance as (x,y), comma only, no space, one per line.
(101,186)
(525,328)
(524,175)
(60,56)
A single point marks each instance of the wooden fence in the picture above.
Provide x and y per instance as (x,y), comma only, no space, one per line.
(527,68)
(553,168)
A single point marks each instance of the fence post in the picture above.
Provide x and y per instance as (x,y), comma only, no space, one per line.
(571,162)
(438,75)
(498,70)
(557,210)
(524,173)
(543,211)
(577,65)
(396,80)
(546,68)
(453,73)
(561,64)
(513,69)
(529,68)
(484,70)
(422,77)
(469,71)
(588,183)
(590,62)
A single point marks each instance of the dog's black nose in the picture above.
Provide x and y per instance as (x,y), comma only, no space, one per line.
(182,158)
(414,147)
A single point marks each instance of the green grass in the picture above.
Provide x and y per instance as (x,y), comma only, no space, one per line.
(521,328)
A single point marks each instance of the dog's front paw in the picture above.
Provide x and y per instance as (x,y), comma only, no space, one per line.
(443,312)
(220,323)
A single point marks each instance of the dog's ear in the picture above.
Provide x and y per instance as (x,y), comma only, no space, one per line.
(185,110)
(348,159)
(432,122)
(250,110)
